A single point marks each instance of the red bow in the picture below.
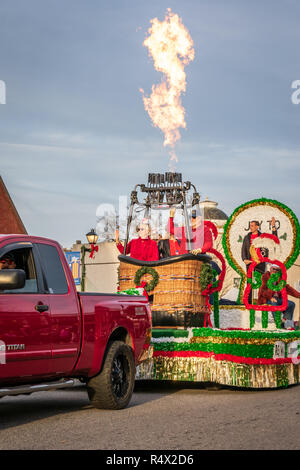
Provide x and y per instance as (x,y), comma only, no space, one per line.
(143,285)
(94,248)
(207,293)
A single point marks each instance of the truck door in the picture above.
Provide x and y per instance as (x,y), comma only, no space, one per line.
(25,323)
(65,309)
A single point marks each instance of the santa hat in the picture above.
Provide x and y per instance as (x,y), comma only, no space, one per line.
(266,240)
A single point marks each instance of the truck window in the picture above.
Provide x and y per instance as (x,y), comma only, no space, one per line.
(55,278)
(22,258)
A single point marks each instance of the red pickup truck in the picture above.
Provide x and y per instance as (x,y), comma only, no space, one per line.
(50,334)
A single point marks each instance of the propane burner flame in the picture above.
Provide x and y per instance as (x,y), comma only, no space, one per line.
(171,48)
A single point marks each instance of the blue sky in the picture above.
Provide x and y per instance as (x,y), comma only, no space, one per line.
(74,132)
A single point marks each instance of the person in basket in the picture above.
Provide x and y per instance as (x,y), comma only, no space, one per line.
(201,237)
(269,297)
(142,248)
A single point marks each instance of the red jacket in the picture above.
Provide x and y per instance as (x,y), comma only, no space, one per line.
(265,294)
(198,240)
(143,249)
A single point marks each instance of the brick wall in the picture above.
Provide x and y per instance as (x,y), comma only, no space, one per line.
(10,221)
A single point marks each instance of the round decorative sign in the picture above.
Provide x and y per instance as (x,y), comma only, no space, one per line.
(261,228)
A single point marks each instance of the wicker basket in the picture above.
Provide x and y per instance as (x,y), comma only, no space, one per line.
(178,288)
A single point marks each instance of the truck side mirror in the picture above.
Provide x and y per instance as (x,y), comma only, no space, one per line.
(12,279)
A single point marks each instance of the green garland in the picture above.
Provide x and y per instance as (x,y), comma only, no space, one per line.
(292,335)
(264,319)
(261,351)
(278,319)
(206,276)
(147,270)
(252,318)
(257,282)
(216,310)
(216,282)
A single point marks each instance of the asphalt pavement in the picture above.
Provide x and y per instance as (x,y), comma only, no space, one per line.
(160,416)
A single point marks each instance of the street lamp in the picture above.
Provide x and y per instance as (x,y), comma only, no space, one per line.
(92,238)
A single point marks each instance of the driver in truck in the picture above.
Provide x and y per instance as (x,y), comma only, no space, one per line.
(8,262)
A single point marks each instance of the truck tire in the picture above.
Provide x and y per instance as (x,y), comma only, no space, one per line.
(113,387)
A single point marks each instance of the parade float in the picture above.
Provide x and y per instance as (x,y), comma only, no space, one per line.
(197,336)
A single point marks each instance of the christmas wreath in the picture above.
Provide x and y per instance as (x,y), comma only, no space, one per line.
(147,270)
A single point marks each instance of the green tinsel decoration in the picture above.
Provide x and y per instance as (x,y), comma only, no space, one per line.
(257,282)
(252,318)
(264,319)
(281,376)
(240,375)
(204,332)
(242,350)
(216,281)
(278,319)
(157,333)
(216,310)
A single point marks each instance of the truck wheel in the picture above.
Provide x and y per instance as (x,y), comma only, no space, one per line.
(113,387)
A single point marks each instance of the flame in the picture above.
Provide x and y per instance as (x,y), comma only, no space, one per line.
(171,47)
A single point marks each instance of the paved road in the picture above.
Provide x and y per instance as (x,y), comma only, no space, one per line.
(159,417)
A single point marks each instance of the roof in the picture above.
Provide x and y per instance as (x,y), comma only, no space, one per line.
(214,214)
(210,210)
(10,221)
